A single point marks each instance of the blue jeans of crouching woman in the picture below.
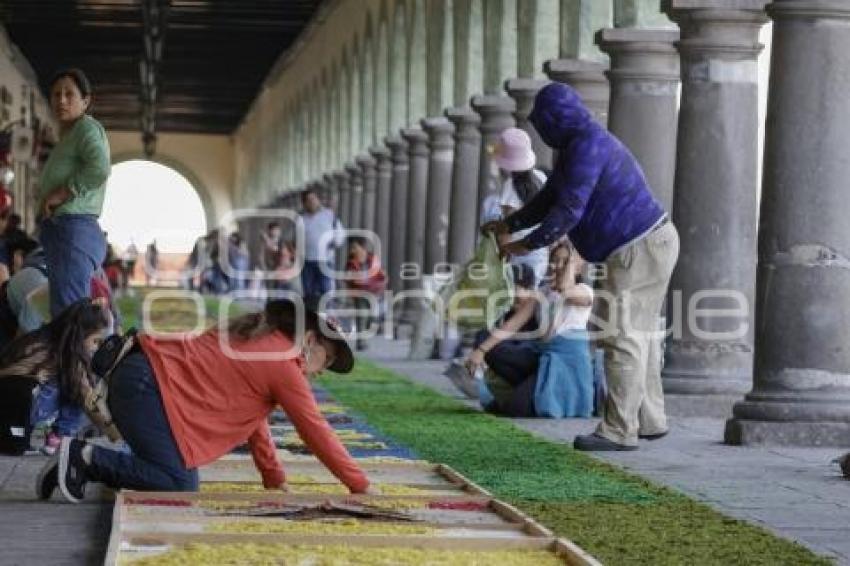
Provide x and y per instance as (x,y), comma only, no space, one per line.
(155,463)
(74,248)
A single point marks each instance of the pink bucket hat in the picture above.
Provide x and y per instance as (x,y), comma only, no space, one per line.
(513,151)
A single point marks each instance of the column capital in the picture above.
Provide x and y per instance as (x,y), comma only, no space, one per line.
(465,120)
(497,112)
(587,78)
(641,54)
(379,152)
(571,70)
(439,130)
(522,88)
(365,161)
(524,91)
(417,141)
(719,29)
(355,173)
(341,176)
(805,9)
(398,149)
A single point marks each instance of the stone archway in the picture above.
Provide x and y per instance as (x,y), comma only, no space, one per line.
(211,211)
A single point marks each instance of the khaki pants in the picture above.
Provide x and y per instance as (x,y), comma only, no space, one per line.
(630,305)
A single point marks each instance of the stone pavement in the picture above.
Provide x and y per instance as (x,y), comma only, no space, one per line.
(53,533)
(794,492)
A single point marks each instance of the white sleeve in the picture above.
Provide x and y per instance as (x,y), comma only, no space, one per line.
(338,231)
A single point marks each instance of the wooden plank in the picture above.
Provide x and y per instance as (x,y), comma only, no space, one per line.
(455,477)
(573,554)
(511,513)
(114,545)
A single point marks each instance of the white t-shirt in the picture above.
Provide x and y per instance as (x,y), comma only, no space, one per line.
(561,316)
(537,259)
(322,232)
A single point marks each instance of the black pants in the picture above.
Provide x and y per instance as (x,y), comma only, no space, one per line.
(515,361)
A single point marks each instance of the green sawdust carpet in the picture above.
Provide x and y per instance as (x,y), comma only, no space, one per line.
(619,518)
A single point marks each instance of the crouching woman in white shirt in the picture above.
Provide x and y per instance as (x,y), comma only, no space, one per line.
(550,375)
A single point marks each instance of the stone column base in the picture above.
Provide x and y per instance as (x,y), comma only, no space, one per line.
(809,434)
(713,406)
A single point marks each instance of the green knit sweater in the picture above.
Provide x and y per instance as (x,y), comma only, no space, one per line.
(80,161)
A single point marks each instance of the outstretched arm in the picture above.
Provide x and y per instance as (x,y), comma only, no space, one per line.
(265,457)
(571,185)
(293,394)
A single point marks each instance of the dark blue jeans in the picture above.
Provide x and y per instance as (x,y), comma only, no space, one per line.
(314,283)
(136,405)
(74,248)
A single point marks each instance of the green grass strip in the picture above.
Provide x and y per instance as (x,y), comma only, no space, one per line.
(618,517)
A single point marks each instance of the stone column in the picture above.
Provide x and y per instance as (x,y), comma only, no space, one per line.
(383,200)
(367,217)
(344,208)
(644,79)
(417,200)
(709,358)
(344,192)
(320,189)
(331,192)
(523,91)
(441,143)
(588,80)
(497,114)
(801,389)
(467,160)
(355,182)
(398,218)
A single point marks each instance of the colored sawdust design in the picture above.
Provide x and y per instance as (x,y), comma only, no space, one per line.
(272,554)
(338,527)
(308,488)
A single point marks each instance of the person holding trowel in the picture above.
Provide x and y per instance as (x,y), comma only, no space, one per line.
(598,196)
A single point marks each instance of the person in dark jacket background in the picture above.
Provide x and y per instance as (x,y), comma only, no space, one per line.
(598,196)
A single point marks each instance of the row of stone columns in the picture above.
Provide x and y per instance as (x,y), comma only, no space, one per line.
(422,193)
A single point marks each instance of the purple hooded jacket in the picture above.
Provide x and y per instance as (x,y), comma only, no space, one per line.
(597,192)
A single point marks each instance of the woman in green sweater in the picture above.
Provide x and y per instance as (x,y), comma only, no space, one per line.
(71,191)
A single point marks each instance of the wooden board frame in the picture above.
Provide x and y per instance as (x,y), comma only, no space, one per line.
(538,536)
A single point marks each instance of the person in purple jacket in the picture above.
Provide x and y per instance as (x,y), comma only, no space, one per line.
(598,196)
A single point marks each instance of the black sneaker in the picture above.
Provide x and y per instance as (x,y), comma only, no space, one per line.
(48,479)
(72,469)
(596,443)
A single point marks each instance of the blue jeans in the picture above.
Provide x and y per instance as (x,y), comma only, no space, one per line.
(74,248)
(314,283)
(136,405)
(70,417)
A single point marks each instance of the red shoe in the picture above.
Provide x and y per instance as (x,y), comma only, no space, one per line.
(51,443)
